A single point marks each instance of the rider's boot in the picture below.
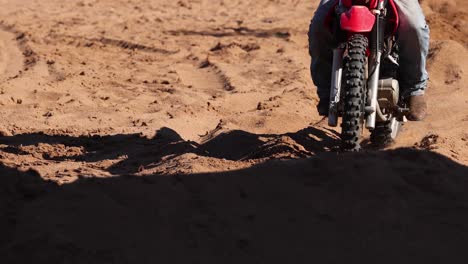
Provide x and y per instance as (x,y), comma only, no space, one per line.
(418,108)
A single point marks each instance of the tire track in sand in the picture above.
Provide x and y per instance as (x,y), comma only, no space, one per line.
(16,56)
(11,57)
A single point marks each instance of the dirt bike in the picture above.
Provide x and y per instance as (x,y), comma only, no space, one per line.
(365,88)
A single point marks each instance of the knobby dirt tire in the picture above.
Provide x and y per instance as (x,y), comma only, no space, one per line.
(354,93)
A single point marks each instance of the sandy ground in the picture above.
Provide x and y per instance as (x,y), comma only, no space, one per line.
(185,132)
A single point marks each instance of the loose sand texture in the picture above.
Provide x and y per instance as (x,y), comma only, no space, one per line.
(186,132)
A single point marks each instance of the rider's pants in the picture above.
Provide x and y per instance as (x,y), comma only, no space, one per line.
(413,39)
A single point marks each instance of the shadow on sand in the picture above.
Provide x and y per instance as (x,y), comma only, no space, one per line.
(403,206)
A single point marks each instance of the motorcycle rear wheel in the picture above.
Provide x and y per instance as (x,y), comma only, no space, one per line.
(354,94)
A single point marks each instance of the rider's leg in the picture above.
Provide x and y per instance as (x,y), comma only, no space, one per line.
(320,49)
(413,38)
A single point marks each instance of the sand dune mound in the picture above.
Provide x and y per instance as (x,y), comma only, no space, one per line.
(414,210)
(447,62)
(448,20)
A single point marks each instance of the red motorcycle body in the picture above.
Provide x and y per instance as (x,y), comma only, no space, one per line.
(360,19)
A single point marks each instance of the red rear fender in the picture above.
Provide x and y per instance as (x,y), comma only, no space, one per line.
(357,19)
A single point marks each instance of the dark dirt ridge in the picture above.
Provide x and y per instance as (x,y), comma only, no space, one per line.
(400,206)
(147,153)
